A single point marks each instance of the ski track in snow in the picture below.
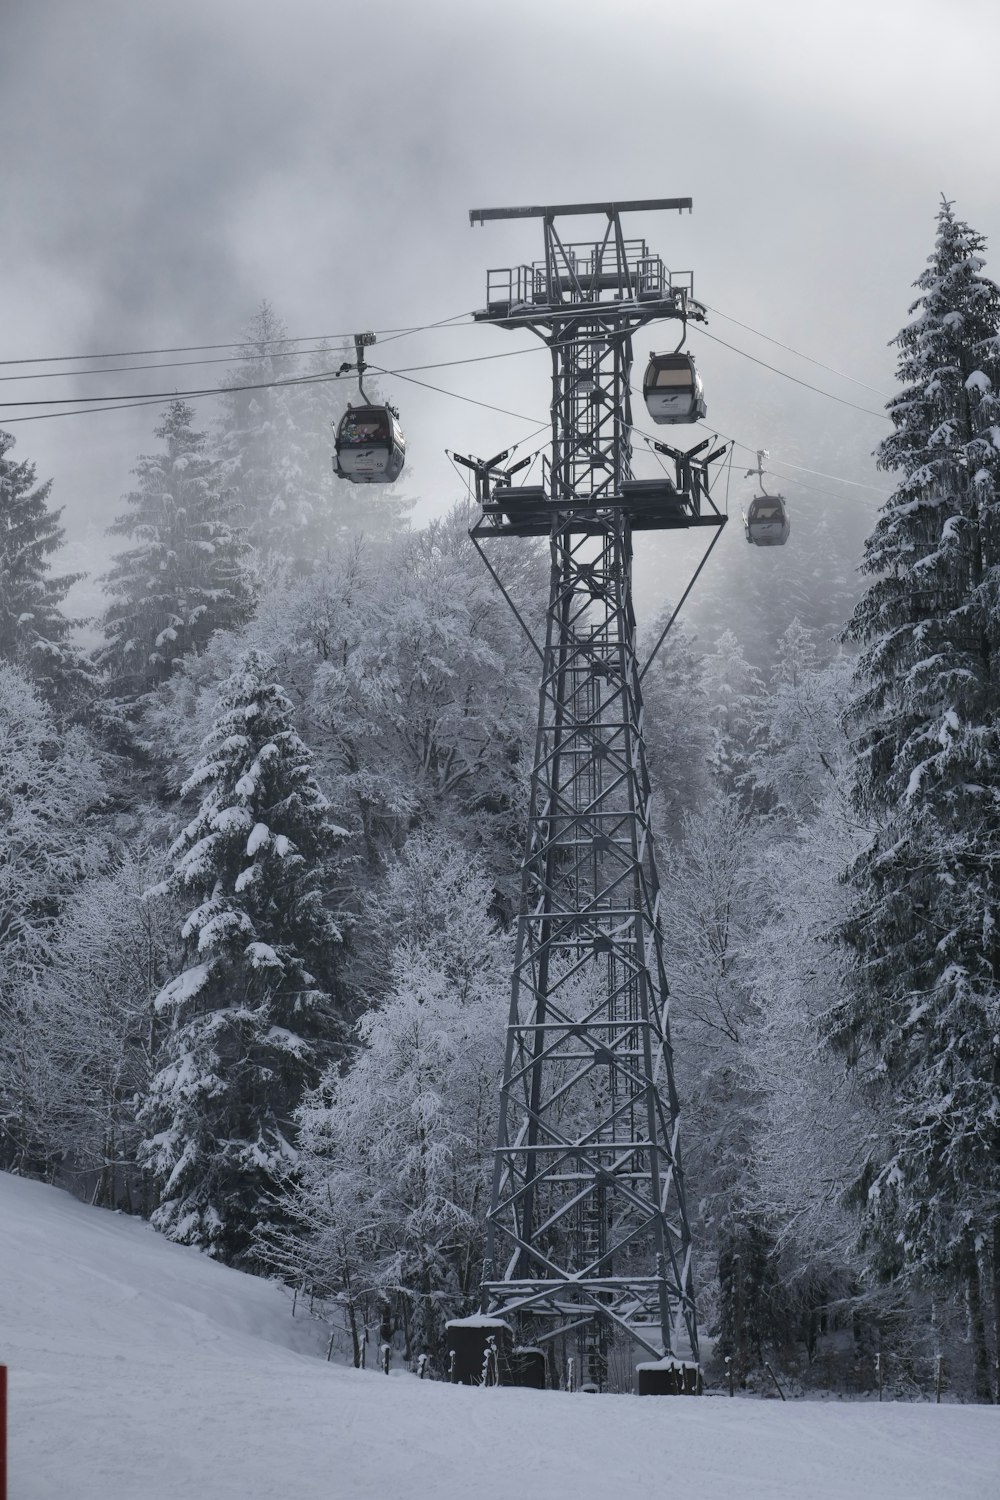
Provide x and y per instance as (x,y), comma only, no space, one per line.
(141,1370)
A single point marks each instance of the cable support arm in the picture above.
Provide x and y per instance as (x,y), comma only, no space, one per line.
(680,603)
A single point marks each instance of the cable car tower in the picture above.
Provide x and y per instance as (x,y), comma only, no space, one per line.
(589,1248)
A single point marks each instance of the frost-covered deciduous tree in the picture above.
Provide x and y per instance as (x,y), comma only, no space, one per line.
(34,633)
(423,692)
(815,1124)
(251,1019)
(396,1152)
(734,693)
(924,1009)
(93,1031)
(184,577)
(805,750)
(50,791)
(714,905)
(677,734)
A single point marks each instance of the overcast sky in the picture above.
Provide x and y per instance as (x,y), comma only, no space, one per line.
(167,166)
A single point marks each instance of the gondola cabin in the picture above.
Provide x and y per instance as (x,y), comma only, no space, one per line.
(672,389)
(765,521)
(370,447)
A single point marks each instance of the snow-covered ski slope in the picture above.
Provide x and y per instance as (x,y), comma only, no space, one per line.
(143,1371)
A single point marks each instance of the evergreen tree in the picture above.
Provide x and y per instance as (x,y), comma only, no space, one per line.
(183,580)
(34,633)
(251,1019)
(924,1009)
(256,441)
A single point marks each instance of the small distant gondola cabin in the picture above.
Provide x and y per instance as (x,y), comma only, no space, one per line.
(370,448)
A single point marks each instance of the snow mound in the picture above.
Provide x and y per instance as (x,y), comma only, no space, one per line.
(139,1368)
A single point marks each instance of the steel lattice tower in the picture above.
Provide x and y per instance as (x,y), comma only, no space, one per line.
(588,1231)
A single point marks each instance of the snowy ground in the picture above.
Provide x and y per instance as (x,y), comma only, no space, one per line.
(143,1371)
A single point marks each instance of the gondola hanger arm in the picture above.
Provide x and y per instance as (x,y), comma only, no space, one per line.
(362,341)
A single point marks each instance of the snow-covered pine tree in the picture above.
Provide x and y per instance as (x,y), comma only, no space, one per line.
(184,577)
(924,1010)
(251,1020)
(34,633)
(256,442)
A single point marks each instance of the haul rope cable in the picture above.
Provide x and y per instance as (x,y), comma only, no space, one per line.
(319,377)
(126,403)
(387,335)
(881,415)
(797,352)
(455,395)
(321,341)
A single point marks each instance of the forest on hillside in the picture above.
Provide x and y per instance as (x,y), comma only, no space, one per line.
(259,878)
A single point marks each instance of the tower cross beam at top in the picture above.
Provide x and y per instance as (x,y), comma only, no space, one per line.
(632,205)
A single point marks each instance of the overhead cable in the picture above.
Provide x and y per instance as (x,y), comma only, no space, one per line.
(246,344)
(797,352)
(319,377)
(880,415)
(788,464)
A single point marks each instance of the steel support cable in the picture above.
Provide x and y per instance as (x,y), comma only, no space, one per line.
(787,463)
(387,335)
(694,579)
(842,400)
(319,377)
(122,404)
(85,411)
(841,375)
(248,356)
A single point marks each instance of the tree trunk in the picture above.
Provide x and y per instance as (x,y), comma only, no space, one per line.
(355,1342)
(385,1321)
(977,1332)
(404,1307)
(995,1279)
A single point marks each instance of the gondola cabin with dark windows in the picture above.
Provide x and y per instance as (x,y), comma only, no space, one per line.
(369,443)
(370,447)
(765,521)
(672,389)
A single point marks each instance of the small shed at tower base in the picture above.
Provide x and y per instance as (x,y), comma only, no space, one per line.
(480,1350)
(669,1377)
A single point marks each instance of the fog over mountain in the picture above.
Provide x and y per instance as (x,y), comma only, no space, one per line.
(169,168)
